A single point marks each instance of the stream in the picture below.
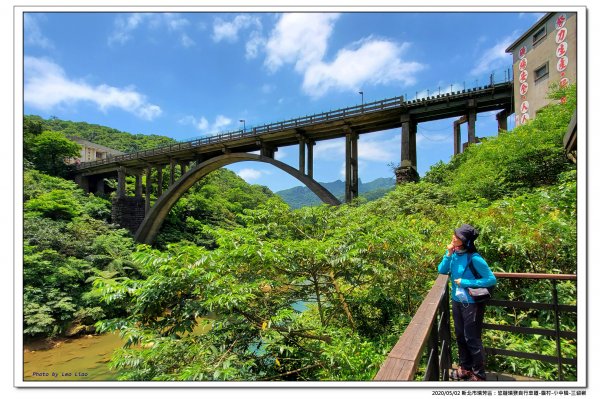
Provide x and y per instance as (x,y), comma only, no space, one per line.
(78,359)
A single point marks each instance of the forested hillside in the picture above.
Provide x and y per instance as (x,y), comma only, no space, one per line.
(239,287)
(106,136)
(300,196)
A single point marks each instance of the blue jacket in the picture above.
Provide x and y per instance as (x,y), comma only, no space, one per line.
(456,266)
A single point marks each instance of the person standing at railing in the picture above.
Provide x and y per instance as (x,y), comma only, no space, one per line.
(467,314)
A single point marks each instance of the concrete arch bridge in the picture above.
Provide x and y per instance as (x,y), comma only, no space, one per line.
(197,158)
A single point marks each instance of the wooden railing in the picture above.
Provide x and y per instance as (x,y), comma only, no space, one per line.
(430,329)
(555,307)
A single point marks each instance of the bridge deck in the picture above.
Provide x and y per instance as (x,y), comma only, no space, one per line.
(370,117)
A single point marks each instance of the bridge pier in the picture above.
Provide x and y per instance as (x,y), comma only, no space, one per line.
(159,180)
(457,134)
(351,166)
(502,118)
(148,188)
(302,155)
(309,147)
(128,212)
(471,118)
(407,172)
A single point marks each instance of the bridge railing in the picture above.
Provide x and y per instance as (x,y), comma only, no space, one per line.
(381,105)
(427,337)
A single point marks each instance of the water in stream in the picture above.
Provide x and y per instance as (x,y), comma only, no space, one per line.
(79,359)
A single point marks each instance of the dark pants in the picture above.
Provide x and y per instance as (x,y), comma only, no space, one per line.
(468,323)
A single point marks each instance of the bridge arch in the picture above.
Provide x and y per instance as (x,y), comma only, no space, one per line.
(157,214)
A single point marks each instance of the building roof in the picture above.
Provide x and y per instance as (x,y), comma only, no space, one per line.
(88,143)
(528,32)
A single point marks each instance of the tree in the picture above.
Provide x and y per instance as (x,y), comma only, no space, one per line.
(49,150)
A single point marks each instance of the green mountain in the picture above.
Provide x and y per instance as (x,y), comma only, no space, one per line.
(301,196)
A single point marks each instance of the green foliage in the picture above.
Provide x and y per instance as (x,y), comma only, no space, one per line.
(48,150)
(241,288)
(112,138)
(65,248)
(529,156)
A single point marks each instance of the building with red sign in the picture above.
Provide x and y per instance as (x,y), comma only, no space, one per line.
(545,54)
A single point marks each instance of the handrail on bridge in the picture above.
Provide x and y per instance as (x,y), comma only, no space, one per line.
(430,328)
(380,105)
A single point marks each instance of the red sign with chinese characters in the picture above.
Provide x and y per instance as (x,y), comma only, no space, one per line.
(522,52)
(523,88)
(561,35)
(524,118)
(523,76)
(561,50)
(563,82)
(562,63)
(525,107)
(523,64)
(561,21)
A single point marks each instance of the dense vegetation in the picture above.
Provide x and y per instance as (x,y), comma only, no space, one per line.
(301,196)
(103,135)
(251,290)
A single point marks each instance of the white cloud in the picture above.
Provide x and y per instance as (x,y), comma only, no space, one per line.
(494,57)
(202,124)
(187,41)
(250,174)
(125,25)
(33,34)
(228,30)
(299,39)
(47,86)
(371,61)
(254,45)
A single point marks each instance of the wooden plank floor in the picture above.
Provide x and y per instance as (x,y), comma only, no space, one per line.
(494,376)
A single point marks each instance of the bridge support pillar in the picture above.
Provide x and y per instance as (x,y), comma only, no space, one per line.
(128,212)
(267,151)
(457,134)
(407,172)
(159,180)
(172,164)
(121,182)
(351,166)
(148,188)
(502,118)
(138,185)
(302,156)
(309,147)
(472,117)
(83,182)
(100,188)
(183,166)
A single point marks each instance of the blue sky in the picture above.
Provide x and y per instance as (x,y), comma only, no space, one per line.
(187,75)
